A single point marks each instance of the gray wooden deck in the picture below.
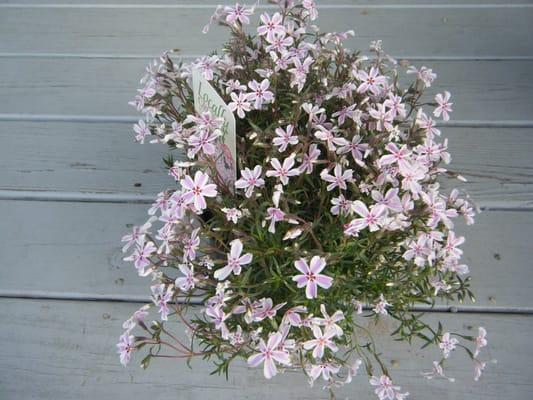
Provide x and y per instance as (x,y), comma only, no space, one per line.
(70,175)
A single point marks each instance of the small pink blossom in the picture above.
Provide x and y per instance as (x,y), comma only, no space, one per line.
(190,245)
(125,347)
(371,81)
(250,179)
(283,172)
(141,257)
(238,13)
(272,26)
(443,106)
(203,141)
(141,130)
(385,388)
(240,104)
(338,179)
(447,344)
(321,341)
(235,261)
(328,136)
(381,306)
(358,150)
(480,340)
(284,138)
(274,214)
(369,218)
(196,190)
(218,317)
(188,281)
(309,159)
(311,277)
(340,205)
(326,369)
(259,93)
(270,353)
(161,295)
(330,321)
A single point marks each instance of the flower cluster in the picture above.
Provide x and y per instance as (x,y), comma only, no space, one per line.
(337,217)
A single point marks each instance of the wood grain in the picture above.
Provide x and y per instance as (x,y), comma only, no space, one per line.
(67,348)
(425,31)
(481,90)
(73,249)
(102,158)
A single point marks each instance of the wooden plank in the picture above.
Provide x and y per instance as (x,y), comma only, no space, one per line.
(102,158)
(67,350)
(74,250)
(425,31)
(481,90)
(197,3)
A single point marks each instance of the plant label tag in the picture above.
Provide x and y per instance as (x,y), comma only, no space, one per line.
(206,99)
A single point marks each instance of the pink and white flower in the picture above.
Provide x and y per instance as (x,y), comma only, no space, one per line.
(272,26)
(284,138)
(443,106)
(447,344)
(240,104)
(311,277)
(283,172)
(196,190)
(385,388)
(238,13)
(125,347)
(141,257)
(270,353)
(309,159)
(236,260)
(189,280)
(250,179)
(321,341)
(338,179)
(369,218)
(370,81)
(330,321)
(259,93)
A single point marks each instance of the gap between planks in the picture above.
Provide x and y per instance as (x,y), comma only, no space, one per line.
(194,56)
(268,6)
(133,119)
(35,295)
(134,198)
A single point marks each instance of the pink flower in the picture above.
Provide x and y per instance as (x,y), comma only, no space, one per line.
(268,353)
(197,189)
(329,137)
(283,172)
(320,342)
(280,43)
(424,74)
(444,106)
(161,296)
(389,200)
(480,340)
(240,104)
(339,178)
(137,318)
(250,179)
(188,281)
(141,130)
(292,316)
(311,277)
(203,141)
(310,6)
(272,26)
(412,172)
(125,347)
(450,248)
(190,245)
(385,389)
(218,317)
(340,205)
(447,344)
(427,123)
(383,117)
(359,150)
(138,234)
(344,112)
(260,93)
(274,214)
(326,369)
(395,105)
(235,261)
(372,218)
(141,257)
(309,158)
(398,155)
(285,137)
(330,322)
(238,13)
(371,81)
(381,306)
(436,372)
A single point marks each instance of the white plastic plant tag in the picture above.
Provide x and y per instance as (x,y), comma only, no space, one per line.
(206,98)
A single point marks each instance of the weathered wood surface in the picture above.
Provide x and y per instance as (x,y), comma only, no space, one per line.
(449,31)
(69,62)
(73,249)
(65,350)
(481,90)
(103,158)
